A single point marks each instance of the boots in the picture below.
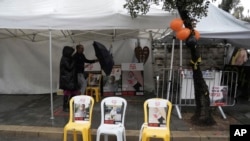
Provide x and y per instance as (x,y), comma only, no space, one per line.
(66,99)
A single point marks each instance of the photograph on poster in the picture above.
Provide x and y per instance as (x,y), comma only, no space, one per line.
(113,114)
(94,79)
(218,95)
(157,116)
(81,111)
(132,81)
(112,83)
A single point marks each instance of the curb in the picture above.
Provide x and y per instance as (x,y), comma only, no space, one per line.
(56,134)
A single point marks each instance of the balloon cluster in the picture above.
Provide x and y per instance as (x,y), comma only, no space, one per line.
(182,33)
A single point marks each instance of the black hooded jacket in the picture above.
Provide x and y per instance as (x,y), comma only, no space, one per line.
(68,75)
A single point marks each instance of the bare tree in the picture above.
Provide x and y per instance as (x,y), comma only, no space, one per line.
(190,11)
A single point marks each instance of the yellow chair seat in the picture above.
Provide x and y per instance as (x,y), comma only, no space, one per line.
(76,127)
(152,132)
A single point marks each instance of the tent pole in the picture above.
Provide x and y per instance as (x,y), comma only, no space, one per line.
(171,68)
(180,55)
(50,69)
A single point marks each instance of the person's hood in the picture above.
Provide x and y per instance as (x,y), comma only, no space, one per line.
(67,51)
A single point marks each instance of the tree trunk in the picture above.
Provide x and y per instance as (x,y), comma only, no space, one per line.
(202,115)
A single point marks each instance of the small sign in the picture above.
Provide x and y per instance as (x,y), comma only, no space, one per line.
(218,95)
(92,67)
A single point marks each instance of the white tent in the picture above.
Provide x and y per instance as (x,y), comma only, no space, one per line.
(220,27)
(78,15)
(25,60)
(30,63)
(33,33)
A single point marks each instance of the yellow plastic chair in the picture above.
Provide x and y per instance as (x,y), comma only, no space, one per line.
(94,86)
(113,111)
(157,113)
(80,117)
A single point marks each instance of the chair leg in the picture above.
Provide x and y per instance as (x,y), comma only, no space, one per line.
(97,95)
(74,135)
(124,136)
(90,135)
(65,135)
(144,138)
(106,137)
(85,135)
(97,136)
(92,91)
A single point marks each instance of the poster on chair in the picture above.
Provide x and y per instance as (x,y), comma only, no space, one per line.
(132,79)
(112,84)
(81,110)
(157,116)
(112,113)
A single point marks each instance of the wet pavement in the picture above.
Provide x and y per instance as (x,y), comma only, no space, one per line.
(36,111)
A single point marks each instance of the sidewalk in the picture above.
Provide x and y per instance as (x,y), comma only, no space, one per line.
(30,116)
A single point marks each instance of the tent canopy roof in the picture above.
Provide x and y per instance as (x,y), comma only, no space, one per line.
(79,20)
(78,15)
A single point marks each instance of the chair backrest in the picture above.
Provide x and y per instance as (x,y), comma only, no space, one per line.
(94,80)
(81,108)
(157,112)
(113,110)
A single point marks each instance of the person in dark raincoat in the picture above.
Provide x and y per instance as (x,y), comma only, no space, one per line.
(80,61)
(68,77)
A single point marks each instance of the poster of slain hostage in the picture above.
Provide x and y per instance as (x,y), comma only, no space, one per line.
(218,95)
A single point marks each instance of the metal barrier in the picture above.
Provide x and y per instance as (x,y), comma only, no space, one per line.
(177,86)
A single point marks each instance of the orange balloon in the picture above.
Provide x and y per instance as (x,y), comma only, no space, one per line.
(176,24)
(183,34)
(197,34)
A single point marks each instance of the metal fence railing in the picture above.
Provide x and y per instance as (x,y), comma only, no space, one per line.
(177,86)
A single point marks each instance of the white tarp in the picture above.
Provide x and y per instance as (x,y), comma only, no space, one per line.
(77,15)
(220,26)
(25,64)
